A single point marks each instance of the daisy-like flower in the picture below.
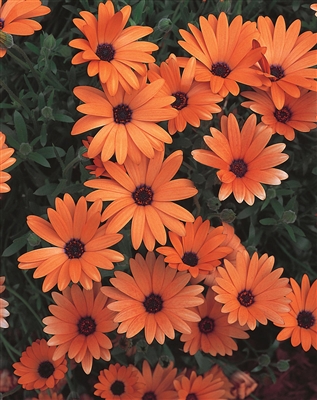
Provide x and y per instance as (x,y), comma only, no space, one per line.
(145,193)
(155,298)
(296,113)
(314,8)
(5,161)
(217,372)
(212,334)
(3,304)
(251,291)
(79,323)
(119,383)
(301,321)
(112,51)
(199,251)
(244,385)
(129,121)
(38,369)
(199,387)
(194,101)
(97,167)
(243,160)
(288,58)
(80,245)
(224,53)
(15,18)
(158,383)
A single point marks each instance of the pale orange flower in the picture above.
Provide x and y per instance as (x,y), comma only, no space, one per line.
(5,161)
(49,396)
(314,8)
(244,385)
(3,304)
(217,372)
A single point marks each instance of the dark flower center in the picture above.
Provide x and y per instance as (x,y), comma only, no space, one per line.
(46,369)
(86,326)
(181,100)
(190,258)
(191,396)
(220,69)
(277,71)
(122,114)
(117,388)
(206,325)
(143,195)
(239,168)
(105,52)
(1,23)
(246,298)
(74,248)
(305,319)
(149,396)
(283,115)
(153,303)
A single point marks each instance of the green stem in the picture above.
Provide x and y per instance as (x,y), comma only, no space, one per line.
(29,63)
(10,349)
(8,394)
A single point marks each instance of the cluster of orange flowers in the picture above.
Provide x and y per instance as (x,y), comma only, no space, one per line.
(204,284)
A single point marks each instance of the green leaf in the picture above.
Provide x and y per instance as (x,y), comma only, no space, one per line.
(32,47)
(20,127)
(268,221)
(137,11)
(277,207)
(49,152)
(289,229)
(15,246)
(39,159)
(63,118)
(45,190)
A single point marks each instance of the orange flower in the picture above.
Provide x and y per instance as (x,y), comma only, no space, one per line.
(3,304)
(49,396)
(244,385)
(212,334)
(5,161)
(199,251)
(119,383)
(159,383)
(37,368)
(14,17)
(194,101)
(199,387)
(296,113)
(251,291)
(314,7)
(79,323)
(112,51)
(128,120)
(287,58)
(155,298)
(301,321)
(79,245)
(242,158)
(224,52)
(145,194)
(97,168)
(217,372)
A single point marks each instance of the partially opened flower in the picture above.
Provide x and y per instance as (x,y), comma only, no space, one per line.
(242,158)
(212,334)
(296,113)
(80,245)
(224,53)
(155,298)
(128,121)
(301,321)
(288,58)
(38,369)
(112,51)
(3,304)
(145,194)
(119,382)
(79,325)
(5,161)
(15,17)
(194,101)
(251,291)
(199,251)
(244,385)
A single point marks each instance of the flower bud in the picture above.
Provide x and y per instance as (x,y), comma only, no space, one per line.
(289,217)
(165,25)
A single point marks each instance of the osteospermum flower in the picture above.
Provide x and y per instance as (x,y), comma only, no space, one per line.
(224,53)
(145,194)
(243,160)
(113,52)
(129,121)
(3,304)
(37,369)
(194,101)
(314,7)
(15,17)
(78,325)
(217,372)
(212,334)
(199,251)
(119,383)
(155,298)
(288,58)
(301,321)
(80,245)
(5,161)
(251,291)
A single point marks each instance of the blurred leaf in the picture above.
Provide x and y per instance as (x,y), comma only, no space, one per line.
(63,118)
(15,246)
(268,221)
(50,152)
(20,127)
(290,231)
(39,159)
